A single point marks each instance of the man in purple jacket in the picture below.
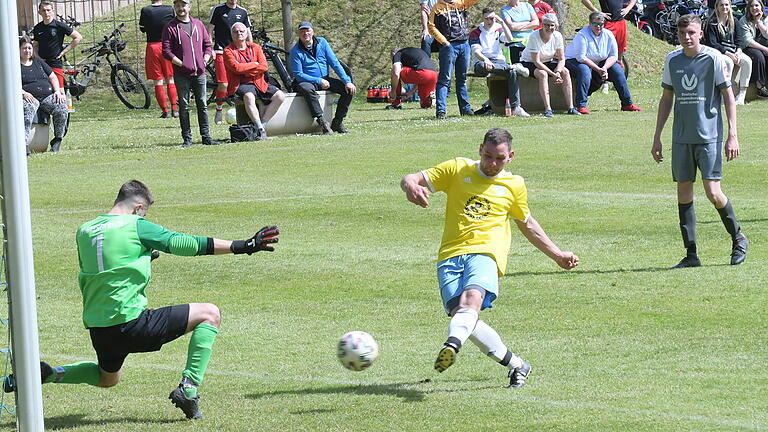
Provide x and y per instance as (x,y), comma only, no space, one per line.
(188,46)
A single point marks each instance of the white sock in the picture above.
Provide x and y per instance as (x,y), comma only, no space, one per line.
(461,325)
(489,342)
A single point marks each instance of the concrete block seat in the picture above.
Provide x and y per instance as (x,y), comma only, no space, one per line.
(40,138)
(529,94)
(293,117)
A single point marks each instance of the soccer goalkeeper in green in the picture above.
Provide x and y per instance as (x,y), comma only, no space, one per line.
(114,251)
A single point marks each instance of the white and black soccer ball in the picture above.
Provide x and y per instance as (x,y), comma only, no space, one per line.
(231,116)
(357,350)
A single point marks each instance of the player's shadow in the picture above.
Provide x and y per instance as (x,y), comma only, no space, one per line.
(398,390)
(71,421)
(581,271)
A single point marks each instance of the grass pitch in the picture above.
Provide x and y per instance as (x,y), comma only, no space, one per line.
(620,343)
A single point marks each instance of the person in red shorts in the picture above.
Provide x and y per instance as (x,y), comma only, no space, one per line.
(413,66)
(159,71)
(614,12)
(223,17)
(49,39)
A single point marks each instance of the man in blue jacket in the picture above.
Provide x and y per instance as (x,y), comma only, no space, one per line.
(310,59)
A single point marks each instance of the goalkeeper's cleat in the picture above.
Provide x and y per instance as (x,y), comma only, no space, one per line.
(445,358)
(688,261)
(186,404)
(518,375)
(9,383)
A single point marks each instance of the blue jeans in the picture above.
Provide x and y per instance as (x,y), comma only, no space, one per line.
(426,45)
(454,55)
(502,68)
(583,76)
(196,84)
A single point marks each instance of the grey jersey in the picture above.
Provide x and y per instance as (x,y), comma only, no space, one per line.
(697,82)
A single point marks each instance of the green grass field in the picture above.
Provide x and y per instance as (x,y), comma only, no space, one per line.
(618,344)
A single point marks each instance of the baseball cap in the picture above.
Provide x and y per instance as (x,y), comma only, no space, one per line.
(305,25)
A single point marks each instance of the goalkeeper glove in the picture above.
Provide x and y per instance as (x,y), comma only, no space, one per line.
(259,242)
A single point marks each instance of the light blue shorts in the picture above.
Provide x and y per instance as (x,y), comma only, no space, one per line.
(455,274)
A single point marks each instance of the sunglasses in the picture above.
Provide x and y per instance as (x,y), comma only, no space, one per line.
(595,24)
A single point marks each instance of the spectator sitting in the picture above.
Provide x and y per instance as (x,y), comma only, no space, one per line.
(591,59)
(521,19)
(753,35)
(544,57)
(485,41)
(413,66)
(541,8)
(40,90)
(309,60)
(246,64)
(720,34)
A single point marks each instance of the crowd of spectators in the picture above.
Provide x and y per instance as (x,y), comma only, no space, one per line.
(521,40)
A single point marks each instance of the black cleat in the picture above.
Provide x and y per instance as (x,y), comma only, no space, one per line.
(325,128)
(338,126)
(9,383)
(164,114)
(688,261)
(518,375)
(187,405)
(55,145)
(739,251)
(484,110)
(186,143)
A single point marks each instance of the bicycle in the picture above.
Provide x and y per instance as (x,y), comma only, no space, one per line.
(126,83)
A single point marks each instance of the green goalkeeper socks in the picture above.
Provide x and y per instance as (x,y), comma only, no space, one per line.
(199,352)
(77,373)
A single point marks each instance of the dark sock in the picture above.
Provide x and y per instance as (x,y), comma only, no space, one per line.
(729,220)
(687,215)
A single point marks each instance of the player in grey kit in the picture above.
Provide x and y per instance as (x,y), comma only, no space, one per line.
(696,79)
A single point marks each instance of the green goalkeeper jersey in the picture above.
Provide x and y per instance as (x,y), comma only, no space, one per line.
(114,252)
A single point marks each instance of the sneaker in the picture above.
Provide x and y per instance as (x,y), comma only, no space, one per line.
(262,135)
(468,113)
(55,145)
(164,114)
(518,375)
(521,70)
(210,141)
(631,107)
(762,92)
(187,405)
(324,126)
(583,110)
(338,126)
(440,115)
(393,107)
(218,117)
(604,88)
(445,358)
(549,113)
(573,111)
(739,251)
(175,113)
(520,112)
(186,143)
(688,261)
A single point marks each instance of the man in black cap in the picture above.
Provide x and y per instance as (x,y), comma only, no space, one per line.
(309,60)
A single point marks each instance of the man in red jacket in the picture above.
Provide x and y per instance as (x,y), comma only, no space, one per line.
(188,46)
(246,64)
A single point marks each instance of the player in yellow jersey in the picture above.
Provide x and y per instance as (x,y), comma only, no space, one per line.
(482,197)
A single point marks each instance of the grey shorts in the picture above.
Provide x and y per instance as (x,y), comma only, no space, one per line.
(707,158)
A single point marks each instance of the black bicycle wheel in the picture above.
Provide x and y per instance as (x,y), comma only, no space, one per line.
(210,83)
(129,87)
(625,65)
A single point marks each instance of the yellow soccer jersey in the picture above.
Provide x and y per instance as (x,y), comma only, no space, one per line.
(478,209)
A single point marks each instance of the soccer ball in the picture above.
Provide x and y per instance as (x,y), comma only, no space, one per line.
(232,116)
(357,350)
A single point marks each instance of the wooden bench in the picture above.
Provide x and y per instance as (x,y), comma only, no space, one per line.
(293,117)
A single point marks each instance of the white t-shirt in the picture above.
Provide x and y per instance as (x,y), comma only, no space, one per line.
(489,41)
(546,50)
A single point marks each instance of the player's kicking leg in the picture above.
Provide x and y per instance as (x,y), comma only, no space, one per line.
(489,342)
(203,321)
